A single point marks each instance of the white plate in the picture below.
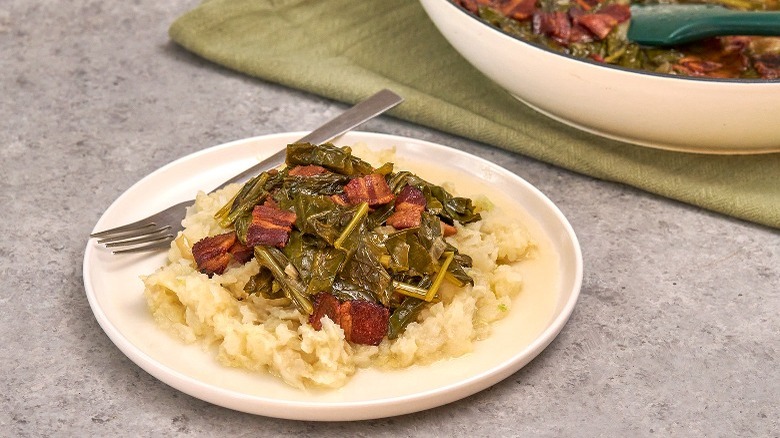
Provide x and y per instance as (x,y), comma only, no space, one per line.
(538,314)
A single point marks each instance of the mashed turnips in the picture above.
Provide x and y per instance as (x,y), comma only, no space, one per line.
(439,291)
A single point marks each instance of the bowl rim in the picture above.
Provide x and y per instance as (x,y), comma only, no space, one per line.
(542,47)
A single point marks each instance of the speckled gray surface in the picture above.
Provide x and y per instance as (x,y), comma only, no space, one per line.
(675,334)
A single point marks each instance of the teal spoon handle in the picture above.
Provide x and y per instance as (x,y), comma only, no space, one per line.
(666,25)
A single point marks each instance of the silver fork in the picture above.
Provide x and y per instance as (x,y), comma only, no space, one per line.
(158,230)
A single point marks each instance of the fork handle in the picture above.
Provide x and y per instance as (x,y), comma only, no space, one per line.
(346,121)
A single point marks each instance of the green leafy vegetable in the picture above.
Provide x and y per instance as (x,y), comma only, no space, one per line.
(335,159)
(263,283)
(365,271)
(716,57)
(456,271)
(403,315)
(324,184)
(348,250)
(349,237)
(440,201)
(276,262)
(241,225)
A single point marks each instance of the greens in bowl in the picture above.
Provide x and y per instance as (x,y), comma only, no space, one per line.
(597,30)
(679,112)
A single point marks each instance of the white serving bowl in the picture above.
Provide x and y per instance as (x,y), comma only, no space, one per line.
(716,116)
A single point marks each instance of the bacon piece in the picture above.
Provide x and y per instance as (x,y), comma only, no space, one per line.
(403,219)
(241,253)
(211,253)
(306,171)
(340,199)
(598,24)
(410,196)
(556,25)
(617,11)
(602,22)
(363,322)
(578,32)
(517,9)
(325,304)
(732,44)
(587,5)
(270,226)
(768,65)
(370,188)
(448,230)
(736,48)
(596,57)
(409,205)
(694,66)
(470,5)
(575,12)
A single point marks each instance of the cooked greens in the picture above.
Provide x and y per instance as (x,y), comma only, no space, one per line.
(344,247)
(596,30)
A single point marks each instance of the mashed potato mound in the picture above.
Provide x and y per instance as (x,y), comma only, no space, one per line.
(264,335)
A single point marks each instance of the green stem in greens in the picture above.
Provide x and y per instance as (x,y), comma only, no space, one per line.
(439,277)
(361,213)
(270,258)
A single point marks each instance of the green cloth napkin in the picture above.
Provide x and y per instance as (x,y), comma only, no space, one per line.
(347,49)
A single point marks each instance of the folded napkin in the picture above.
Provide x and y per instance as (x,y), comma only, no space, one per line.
(346,50)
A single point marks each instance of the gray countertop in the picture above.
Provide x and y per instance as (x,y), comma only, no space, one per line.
(675,333)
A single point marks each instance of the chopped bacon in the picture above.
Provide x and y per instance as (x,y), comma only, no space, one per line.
(579,25)
(306,171)
(325,304)
(517,9)
(693,66)
(370,188)
(213,254)
(410,195)
(409,205)
(602,22)
(270,226)
(556,25)
(363,322)
(596,57)
(732,44)
(587,5)
(768,65)
(617,11)
(403,219)
(340,199)
(736,48)
(583,21)
(448,230)
(470,5)
(575,12)
(599,24)
(571,30)
(241,253)
(580,34)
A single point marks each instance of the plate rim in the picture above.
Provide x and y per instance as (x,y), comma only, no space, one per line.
(340,410)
